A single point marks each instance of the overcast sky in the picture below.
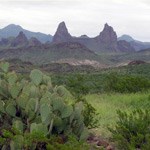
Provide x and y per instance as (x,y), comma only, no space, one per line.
(81,16)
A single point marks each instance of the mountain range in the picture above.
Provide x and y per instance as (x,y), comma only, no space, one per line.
(106,41)
(13,30)
(106,48)
(138,45)
(19,41)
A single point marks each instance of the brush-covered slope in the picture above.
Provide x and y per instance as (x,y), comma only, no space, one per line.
(50,53)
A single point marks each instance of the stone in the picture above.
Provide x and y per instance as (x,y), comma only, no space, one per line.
(20,40)
(109,147)
(102,143)
(62,34)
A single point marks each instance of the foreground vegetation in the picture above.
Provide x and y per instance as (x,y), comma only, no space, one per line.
(129,79)
(32,112)
(116,95)
(37,113)
(108,104)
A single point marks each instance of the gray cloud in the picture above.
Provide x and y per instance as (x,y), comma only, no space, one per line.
(81,16)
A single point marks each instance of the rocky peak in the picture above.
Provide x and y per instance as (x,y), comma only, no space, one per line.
(107,39)
(62,34)
(20,40)
(12,27)
(62,28)
(34,42)
(108,35)
(21,36)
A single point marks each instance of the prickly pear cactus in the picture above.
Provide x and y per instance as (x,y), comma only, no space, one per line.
(36,76)
(35,106)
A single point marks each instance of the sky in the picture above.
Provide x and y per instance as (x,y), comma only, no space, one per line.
(88,17)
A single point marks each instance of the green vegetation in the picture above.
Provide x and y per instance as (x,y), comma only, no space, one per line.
(132,131)
(126,83)
(129,79)
(107,105)
(31,111)
(124,88)
(39,113)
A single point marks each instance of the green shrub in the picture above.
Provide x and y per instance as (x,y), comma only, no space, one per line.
(91,117)
(132,131)
(81,84)
(71,144)
(35,109)
(126,83)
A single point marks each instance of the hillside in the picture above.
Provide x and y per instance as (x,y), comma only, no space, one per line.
(143,55)
(72,53)
(102,51)
(138,45)
(50,53)
(13,30)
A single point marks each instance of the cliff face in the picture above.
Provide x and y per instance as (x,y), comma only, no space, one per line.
(108,35)
(106,41)
(20,40)
(62,34)
(34,42)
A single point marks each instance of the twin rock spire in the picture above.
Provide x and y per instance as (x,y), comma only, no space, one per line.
(105,41)
(62,34)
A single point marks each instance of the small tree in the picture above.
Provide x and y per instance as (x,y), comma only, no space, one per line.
(132,131)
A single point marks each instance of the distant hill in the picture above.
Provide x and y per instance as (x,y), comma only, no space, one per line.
(126,37)
(19,41)
(48,53)
(144,51)
(13,30)
(138,45)
(143,55)
(104,50)
(106,41)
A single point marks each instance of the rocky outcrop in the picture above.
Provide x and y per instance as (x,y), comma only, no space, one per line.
(34,42)
(20,40)
(136,62)
(62,34)
(99,143)
(107,39)
(108,35)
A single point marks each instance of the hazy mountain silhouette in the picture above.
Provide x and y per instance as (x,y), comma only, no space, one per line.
(13,30)
(138,45)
